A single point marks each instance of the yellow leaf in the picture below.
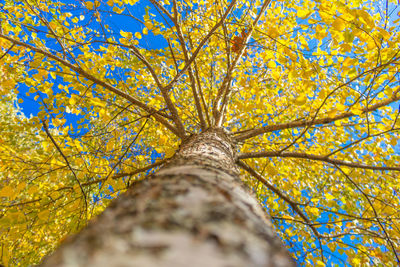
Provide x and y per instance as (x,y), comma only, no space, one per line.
(145,31)
(346,47)
(138,35)
(32,190)
(320,32)
(21,186)
(110,145)
(148,24)
(273,32)
(72,101)
(97,102)
(89,5)
(366,18)
(5,257)
(340,107)
(303,13)
(357,111)
(7,191)
(118,10)
(356,261)
(276,74)
(384,34)
(163,140)
(331,113)
(314,210)
(15,216)
(287,217)
(43,215)
(329,197)
(300,100)
(393,142)
(169,152)
(53,25)
(370,44)
(271,170)
(320,263)
(271,64)
(127,35)
(338,24)
(348,62)
(78,145)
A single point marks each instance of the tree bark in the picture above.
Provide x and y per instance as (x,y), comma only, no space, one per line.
(195,211)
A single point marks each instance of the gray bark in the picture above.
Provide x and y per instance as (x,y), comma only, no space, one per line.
(195,211)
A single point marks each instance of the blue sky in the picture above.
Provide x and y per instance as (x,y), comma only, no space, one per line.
(116,23)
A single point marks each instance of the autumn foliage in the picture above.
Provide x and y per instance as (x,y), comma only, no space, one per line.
(96,94)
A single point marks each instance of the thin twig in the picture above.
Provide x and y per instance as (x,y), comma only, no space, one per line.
(8,50)
(123,155)
(46,129)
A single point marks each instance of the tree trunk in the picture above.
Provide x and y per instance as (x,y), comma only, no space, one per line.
(195,211)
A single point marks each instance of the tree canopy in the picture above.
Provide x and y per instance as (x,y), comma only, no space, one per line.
(308,89)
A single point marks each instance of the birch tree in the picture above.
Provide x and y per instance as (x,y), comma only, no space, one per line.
(241,133)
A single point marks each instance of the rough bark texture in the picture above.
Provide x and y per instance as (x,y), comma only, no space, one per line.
(193,212)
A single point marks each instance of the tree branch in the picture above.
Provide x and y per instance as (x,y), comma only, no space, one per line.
(283,196)
(164,92)
(305,123)
(224,91)
(8,50)
(104,84)
(46,129)
(200,46)
(314,157)
(190,70)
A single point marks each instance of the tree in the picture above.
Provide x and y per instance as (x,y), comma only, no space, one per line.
(300,98)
